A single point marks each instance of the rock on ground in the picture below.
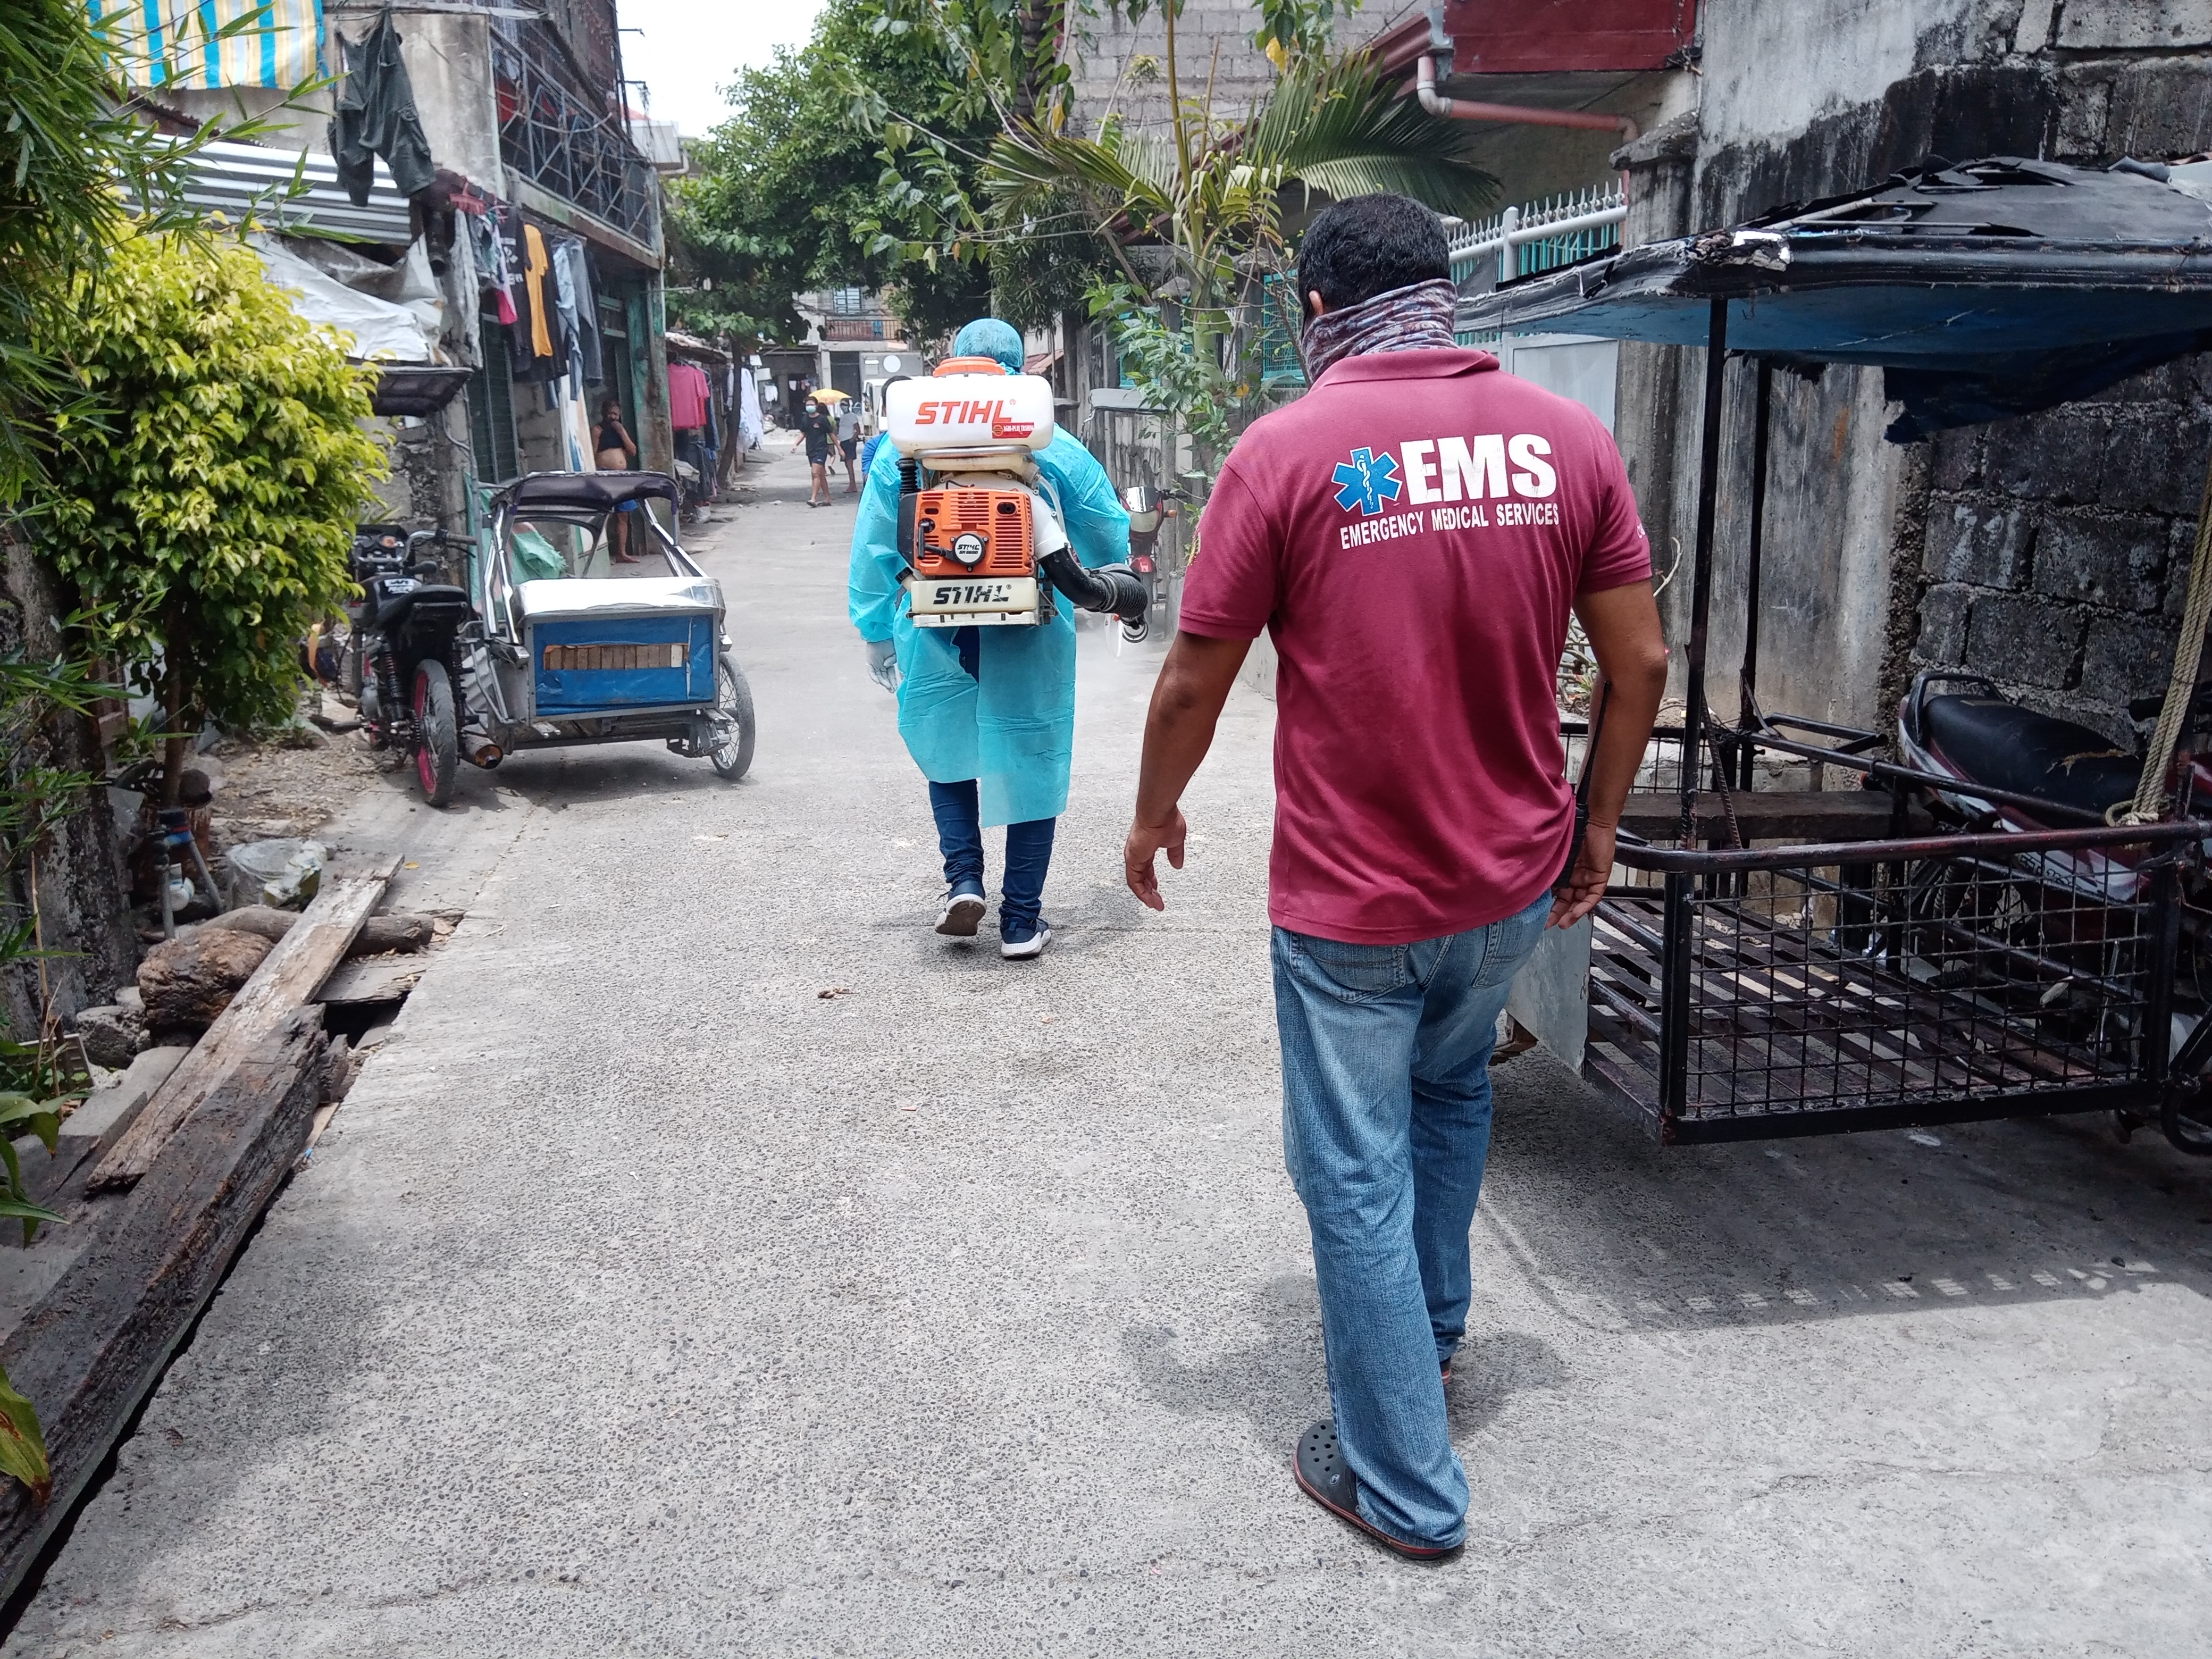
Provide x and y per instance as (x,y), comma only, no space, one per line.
(188,980)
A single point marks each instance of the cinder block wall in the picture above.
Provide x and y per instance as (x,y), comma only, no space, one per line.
(2056,551)
(2051,552)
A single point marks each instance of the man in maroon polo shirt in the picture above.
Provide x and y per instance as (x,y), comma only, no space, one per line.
(1413,533)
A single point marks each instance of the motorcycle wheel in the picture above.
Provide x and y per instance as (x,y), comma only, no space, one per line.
(437,733)
(733,698)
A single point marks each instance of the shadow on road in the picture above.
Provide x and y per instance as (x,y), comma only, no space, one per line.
(1618,1233)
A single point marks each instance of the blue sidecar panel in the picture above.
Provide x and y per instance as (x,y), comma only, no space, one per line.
(596,664)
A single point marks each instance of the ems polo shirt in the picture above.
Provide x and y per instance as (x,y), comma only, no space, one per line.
(1413,532)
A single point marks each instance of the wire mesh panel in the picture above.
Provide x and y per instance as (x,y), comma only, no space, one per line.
(1810,989)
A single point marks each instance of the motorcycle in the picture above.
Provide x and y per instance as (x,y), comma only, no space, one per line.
(1147,507)
(405,663)
(2053,774)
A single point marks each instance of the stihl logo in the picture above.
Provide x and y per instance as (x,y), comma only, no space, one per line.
(956,411)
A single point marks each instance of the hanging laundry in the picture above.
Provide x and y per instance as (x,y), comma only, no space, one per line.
(750,425)
(541,344)
(588,349)
(687,393)
(376,116)
(564,299)
(492,269)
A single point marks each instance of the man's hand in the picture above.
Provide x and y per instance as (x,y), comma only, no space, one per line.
(1577,895)
(1144,840)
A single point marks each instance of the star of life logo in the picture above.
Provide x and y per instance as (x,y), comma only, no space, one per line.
(1366,481)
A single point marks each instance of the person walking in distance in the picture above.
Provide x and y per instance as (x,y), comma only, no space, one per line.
(1413,533)
(815,429)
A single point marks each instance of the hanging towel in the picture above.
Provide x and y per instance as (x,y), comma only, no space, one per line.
(376,116)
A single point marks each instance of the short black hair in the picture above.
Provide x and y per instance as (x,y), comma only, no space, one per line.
(1368,245)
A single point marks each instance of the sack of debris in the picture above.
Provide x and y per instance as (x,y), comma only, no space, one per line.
(283,873)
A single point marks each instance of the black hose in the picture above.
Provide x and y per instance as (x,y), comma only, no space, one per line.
(1110,588)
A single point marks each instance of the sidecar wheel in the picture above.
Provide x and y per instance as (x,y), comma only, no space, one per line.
(734,699)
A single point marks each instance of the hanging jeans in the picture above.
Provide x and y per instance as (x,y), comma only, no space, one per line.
(1386,1130)
(1028,854)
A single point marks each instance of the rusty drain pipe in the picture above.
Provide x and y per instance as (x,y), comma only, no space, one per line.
(1461,109)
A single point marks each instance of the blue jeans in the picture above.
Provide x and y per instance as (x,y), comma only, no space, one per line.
(1028,854)
(1386,1130)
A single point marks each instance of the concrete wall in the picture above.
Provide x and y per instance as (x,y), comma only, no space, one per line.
(1122,66)
(2041,551)
(449,63)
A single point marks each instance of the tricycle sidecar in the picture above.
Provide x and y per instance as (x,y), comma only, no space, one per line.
(598,627)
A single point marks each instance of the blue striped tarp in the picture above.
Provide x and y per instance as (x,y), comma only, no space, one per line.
(181,43)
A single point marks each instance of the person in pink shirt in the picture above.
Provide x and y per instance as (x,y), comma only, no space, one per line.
(1413,534)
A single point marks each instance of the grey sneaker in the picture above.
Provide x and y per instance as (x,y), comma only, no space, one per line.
(1031,944)
(962,915)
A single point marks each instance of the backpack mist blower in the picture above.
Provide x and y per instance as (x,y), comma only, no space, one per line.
(981,537)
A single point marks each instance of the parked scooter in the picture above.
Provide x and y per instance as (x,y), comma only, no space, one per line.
(408,650)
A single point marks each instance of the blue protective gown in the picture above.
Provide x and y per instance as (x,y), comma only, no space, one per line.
(1012,727)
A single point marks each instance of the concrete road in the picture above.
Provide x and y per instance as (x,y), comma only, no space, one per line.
(718,1262)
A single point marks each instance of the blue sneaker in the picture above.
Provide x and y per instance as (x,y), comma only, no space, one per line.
(962,915)
(1018,942)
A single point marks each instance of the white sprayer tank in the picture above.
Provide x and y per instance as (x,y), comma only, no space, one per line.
(969,411)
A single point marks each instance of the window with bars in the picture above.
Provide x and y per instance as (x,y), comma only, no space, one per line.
(494,447)
(847,302)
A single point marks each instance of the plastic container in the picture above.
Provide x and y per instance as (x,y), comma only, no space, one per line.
(969,411)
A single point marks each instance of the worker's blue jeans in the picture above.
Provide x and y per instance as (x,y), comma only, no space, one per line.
(1386,1130)
(1028,854)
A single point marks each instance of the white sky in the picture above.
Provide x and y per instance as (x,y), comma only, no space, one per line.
(687,51)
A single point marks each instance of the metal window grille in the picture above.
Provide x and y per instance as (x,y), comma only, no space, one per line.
(561,134)
(846,302)
(497,454)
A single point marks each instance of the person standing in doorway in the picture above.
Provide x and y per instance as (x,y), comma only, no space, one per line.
(1413,532)
(988,714)
(815,432)
(618,452)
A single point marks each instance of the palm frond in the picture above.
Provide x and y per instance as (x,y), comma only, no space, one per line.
(1339,125)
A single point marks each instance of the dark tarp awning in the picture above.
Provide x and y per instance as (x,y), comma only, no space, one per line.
(415,388)
(1986,290)
(588,492)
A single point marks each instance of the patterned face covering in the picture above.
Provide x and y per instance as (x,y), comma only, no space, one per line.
(1409,319)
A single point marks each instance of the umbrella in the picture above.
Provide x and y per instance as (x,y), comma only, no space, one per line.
(828,395)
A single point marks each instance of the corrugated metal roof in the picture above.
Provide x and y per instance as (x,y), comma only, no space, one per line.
(236,179)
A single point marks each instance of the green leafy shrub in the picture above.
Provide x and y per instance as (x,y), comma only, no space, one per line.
(207,515)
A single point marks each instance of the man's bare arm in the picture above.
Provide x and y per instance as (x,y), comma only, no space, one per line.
(1187,701)
(1623,627)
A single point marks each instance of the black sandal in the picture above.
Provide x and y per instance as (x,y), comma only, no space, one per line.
(1323,1475)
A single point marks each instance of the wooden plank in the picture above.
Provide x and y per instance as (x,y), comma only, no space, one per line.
(289,975)
(93,1345)
(374,979)
(1811,816)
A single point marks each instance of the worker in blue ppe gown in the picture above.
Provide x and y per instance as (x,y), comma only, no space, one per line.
(988,714)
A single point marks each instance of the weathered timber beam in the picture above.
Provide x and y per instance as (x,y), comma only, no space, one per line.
(94,1344)
(288,977)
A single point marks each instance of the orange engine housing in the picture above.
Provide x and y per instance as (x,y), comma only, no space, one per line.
(994,525)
